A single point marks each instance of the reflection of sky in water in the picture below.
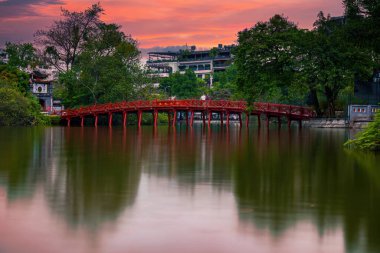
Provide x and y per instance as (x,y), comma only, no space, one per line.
(185,191)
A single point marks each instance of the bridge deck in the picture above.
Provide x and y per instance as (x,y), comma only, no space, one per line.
(222,107)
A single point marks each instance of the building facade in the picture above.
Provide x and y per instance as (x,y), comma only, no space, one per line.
(204,63)
(42,88)
(4,58)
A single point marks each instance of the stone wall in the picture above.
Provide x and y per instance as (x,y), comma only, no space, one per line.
(333,123)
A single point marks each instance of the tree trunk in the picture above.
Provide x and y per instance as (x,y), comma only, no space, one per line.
(331,99)
(315,101)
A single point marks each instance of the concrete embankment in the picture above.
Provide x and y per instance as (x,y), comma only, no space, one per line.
(334,123)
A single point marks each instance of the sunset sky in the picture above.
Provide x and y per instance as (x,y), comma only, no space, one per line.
(204,23)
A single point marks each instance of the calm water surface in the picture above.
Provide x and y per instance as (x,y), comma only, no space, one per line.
(186,190)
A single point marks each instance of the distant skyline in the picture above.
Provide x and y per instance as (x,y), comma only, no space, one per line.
(162,23)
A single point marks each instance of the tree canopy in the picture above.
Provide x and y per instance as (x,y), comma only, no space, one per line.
(17,106)
(64,41)
(279,62)
(21,55)
(182,86)
(106,70)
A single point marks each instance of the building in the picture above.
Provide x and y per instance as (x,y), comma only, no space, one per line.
(42,88)
(365,102)
(204,63)
(4,58)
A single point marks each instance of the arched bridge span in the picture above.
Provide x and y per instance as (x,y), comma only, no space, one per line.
(189,107)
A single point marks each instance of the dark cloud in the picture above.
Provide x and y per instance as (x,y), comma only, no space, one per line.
(23,8)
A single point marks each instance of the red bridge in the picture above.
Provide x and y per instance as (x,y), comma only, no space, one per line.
(205,107)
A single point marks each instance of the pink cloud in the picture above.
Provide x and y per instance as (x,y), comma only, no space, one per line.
(170,22)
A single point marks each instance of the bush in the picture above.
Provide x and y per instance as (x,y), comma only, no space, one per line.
(369,138)
(18,110)
(54,120)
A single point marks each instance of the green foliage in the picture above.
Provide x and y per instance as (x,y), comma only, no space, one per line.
(336,61)
(107,70)
(55,120)
(266,60)
(278,62)
(362,26)
(17,106)
(12,77)
(369,138)
(182,86)
(18,110)
(225,85)
(65,40)
(214,52)
(21,55)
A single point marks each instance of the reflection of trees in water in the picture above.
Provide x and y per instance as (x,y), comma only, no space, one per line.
(16,151)
(88,175)
(190,155)
(308,176)
(98,178)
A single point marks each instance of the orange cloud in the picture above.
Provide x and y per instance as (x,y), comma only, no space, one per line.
(173,22)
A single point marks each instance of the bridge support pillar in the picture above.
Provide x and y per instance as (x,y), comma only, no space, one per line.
(247,119)
(240,122)
(267,121)
(125,115)
(259,120)
(174,118)
(187,117)
(209,118)
(300,124)
(139,118)
(169,118)
(228,119)
(96,120)
(68,122)
(289,122)
(81,121)
(191,118)
(279,122)
(221,118)
(203,118)
(110,119)
(155,118)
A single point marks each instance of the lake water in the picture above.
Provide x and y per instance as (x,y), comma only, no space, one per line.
(186,190)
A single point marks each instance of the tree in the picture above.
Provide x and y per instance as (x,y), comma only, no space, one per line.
(107,70)
(369,138)
(225,85)
(66,38)
(182,86)
(266,60)
(332,61)
(278,62)
(17,106)
(363,22)
(21,55)
(12,77)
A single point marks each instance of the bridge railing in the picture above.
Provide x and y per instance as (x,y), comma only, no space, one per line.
(282,109)
(190,104)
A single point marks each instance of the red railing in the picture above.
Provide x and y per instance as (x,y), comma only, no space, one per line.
(238,106)
(284,110)
(191,105)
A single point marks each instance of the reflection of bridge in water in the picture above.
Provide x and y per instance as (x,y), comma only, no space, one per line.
(189,108)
